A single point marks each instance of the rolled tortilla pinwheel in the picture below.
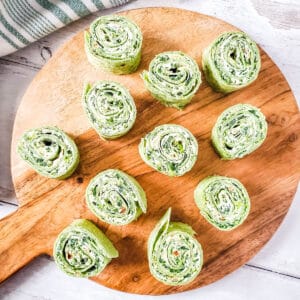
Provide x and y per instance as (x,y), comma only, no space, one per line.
(223,201)
(170,149)
(175,257)
(115,197)
(173,78)
(110,108)
(83,250)
(239,130)
(49,151)
(114,44)
(231,62)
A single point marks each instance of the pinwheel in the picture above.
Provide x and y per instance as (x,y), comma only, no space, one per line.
(110,108)
(223,201)
(83,250)
(49,151)
(239,130)
(173,78)
(115,197)
(114,44)
(170,149)
(175,257)
(231,62)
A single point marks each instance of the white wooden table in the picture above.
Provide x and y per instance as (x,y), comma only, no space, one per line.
(274,273)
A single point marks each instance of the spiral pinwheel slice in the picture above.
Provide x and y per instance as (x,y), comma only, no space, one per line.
(223,201)
(114,44)
(175,257)
(169,149)
(173,78)
(49,151)
(231,62)
(239,130)
(110,108)
(83,250)
(115,197)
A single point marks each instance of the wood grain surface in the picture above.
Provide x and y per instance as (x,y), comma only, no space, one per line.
(270,174)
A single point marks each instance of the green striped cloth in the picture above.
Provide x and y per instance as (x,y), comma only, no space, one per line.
(25,21)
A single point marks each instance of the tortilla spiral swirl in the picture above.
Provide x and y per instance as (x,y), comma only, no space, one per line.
(175,257)
(169,149)
(114,44)
(223,201)
(231,62)
(239,130)
(173,78)
(110,108)
(49,151)
(82,249)
(115,197)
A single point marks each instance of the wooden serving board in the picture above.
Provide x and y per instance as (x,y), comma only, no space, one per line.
(270,174)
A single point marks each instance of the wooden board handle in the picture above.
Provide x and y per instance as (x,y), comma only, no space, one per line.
(19,239)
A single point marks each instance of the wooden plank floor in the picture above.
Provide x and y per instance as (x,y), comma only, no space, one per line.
(275,271)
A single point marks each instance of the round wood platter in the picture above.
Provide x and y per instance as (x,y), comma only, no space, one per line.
(270,174)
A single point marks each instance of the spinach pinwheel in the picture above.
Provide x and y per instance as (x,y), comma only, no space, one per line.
(169,149)
(114,44)
(175,257)
(49,151)
(239,130)
(115,197)
(110,108)
(223,201)
(231,62)
(83,250)
(173,78)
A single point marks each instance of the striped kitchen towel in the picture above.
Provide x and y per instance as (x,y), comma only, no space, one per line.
(25,21)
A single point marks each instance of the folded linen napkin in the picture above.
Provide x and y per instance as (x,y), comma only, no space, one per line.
(25,21)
